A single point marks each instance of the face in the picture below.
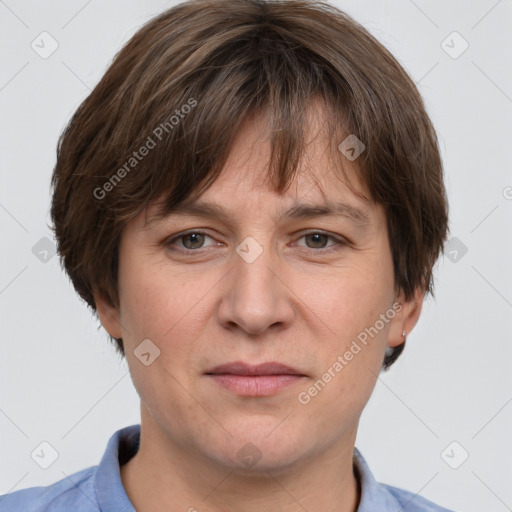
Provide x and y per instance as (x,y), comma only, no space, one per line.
(251,284)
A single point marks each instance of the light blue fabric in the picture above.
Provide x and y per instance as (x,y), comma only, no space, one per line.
(99,488)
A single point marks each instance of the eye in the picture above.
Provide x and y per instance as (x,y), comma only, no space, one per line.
(318,240)
(193,240)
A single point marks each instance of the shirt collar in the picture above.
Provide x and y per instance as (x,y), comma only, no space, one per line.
(374,496)
(121,447)
(124,443)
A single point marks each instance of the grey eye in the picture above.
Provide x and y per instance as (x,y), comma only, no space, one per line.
(196,240)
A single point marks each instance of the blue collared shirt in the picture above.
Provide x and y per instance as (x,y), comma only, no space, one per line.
(100,488)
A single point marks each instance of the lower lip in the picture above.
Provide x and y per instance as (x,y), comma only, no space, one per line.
(261,385)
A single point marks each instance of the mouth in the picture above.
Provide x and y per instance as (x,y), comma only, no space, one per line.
(255,380)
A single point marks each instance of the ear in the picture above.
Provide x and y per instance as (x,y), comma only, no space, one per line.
(108,313)
(406,317)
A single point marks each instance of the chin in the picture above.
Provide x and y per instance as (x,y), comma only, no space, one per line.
(261,445)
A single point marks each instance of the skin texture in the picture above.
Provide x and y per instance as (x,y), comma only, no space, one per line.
(297,303)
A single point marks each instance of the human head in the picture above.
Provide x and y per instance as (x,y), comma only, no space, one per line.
(182,87)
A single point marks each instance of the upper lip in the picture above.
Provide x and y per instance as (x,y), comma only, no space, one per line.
(241,368)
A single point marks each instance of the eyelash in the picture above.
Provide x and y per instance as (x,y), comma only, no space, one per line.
(340,243)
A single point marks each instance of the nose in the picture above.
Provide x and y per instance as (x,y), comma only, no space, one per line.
(255,295)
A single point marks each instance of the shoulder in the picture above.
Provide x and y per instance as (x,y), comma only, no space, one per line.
(386,498)
(74,492)
(410,502)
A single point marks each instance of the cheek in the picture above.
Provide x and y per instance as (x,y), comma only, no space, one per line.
(156,301)
(346,301)
(162,306)
(351,306)
(347,376)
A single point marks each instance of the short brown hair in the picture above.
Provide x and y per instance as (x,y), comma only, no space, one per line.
(182,86)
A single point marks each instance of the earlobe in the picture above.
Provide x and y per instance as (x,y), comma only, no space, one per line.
(108,314)
(405,320)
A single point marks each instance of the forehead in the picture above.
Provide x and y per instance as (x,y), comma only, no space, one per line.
(325,183)
(320,159)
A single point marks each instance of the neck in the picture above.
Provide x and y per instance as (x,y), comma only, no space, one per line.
(164,476)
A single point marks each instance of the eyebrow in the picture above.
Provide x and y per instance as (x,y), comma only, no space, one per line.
(297,211)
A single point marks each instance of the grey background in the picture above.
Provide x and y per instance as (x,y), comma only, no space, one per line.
(61,381)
